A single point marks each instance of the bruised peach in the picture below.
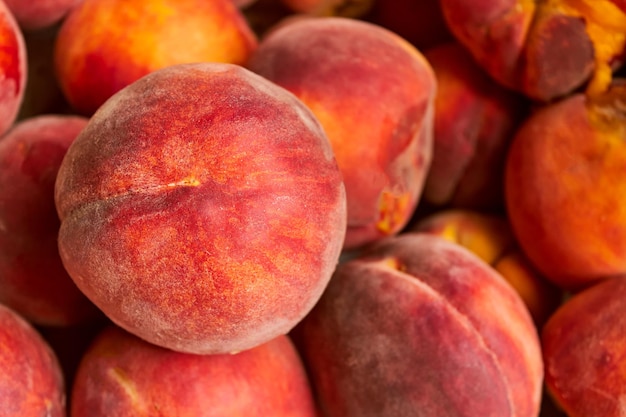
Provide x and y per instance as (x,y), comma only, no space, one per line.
(121,375)
(565,188)
(374,95)
(544,49)
(13,68)
(419,323)
(35,15)
(202,209)
(104,45)
(475,119)
(583,349)
(489,236)
(31,383)
(33,280)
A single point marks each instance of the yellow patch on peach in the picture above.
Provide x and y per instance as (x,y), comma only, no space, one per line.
(606,27)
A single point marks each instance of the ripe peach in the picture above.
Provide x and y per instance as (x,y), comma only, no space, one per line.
(420,323)
(13,68)
(202,209)
(544,49)
(374,95)
(33,280)
(583,349)
(31,383)
(475,119)
(489,236)
(121,375)
(104,45)
(34,15)
(564,188)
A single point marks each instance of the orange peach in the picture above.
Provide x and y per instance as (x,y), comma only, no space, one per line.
(564,188)
(202,209)
(475,119)
(123,376)
(374,95)
(583,348)
(104,45)
(31,382)
(33,280)
(420,323)
(545,49)
(13,68)
(489,236)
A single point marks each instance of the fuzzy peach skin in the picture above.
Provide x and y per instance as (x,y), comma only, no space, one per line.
(202,209)
(374,95)
(13,68)
(475,120)
(583,349)
(489,236)
(123,376)
(31,382)
(325,8)
(33,280)
(418,325)
(33,15)
(544,49)
(104,45)
(565,188)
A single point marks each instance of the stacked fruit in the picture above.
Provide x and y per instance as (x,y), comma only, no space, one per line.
(312,208)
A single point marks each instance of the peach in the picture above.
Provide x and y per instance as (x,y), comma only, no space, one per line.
(419,22)
(31,383)
(374,95)
(34,15)
(583,349)
(564,188)
(121,375)
(489,236)
(33,280)
(475,119)
(419,323)
(104,45)
(546,49)
(13,68)
(202,209)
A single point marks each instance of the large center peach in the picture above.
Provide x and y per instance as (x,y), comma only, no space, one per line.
(202,209)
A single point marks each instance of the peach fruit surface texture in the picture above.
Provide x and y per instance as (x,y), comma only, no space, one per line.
(584,347)
(489,236)
(420,326)
(374,95)
(475,119)
(13,68)
(202,209)
(544,49)
(123,376)
(565,188)
(31,383)
(104,45)
(33,280)
(34,15)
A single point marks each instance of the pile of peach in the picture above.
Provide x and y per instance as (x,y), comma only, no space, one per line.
(313,208)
